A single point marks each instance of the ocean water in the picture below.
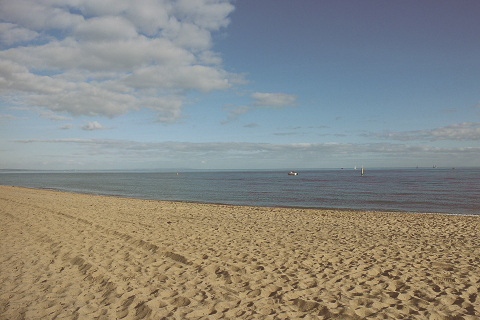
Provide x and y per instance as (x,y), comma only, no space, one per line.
(410,190)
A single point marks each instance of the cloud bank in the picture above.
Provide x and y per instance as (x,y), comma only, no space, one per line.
(457,131)
(107,58)
(224,154)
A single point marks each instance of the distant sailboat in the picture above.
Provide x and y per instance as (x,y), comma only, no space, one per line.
(362,171)
(355,168)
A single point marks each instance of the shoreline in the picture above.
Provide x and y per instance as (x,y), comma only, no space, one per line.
(70,255)
(120,196)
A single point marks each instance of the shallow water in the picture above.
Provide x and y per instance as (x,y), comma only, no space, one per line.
(413,190)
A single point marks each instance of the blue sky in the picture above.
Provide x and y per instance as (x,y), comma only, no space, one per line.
(213,84)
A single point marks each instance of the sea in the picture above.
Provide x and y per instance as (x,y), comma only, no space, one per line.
(413,190)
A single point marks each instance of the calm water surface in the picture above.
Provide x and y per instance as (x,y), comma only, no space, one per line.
(413,190)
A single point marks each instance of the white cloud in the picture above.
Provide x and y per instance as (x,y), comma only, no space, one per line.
(234,113)
(10,117)
(210,17)
(15,78)
(66,126)
(49,114)
(109,57)
(477,106)
(11,34)
(119,56)
(209,58)
(458,131)
(90,126)
(285,133)
(108,28)
(262,100)
(189,36)
(273,100)
(202,78)
(36,15)
(87,99)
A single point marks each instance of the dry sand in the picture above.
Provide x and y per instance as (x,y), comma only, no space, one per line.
(71,256)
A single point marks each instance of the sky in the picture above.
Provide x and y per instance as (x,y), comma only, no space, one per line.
(246,84)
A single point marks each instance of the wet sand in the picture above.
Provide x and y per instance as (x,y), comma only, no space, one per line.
(73,256)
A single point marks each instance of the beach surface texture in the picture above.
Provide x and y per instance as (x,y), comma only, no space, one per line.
(74,256)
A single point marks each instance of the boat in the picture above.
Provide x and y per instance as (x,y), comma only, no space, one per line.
(293,173)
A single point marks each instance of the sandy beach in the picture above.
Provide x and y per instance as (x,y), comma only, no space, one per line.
(74,256)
